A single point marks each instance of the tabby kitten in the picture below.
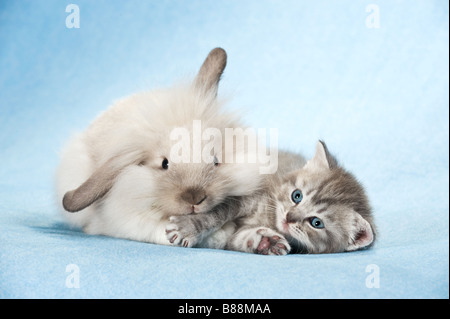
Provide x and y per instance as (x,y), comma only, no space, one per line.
(318,208)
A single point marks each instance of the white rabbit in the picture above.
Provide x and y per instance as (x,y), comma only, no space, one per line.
(117,178)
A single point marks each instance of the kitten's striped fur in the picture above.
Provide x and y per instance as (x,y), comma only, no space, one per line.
(330,193)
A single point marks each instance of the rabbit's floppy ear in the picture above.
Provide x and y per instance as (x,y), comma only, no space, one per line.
(211,70)
(99,183)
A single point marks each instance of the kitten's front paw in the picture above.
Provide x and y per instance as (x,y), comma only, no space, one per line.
(180,231)
(268,242)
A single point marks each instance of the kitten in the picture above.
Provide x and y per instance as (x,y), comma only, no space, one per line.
(319,208)
(306,207)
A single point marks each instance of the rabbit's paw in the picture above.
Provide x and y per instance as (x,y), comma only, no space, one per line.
(265,241)
(181,231)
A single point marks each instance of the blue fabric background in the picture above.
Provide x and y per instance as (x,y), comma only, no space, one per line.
(313,69)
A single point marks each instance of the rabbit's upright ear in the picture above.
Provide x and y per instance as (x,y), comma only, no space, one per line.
(211,70)
(97,185)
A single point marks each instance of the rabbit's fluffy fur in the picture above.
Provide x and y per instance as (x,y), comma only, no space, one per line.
(112,176)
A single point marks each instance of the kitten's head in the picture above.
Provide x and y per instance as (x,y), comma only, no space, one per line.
(322,208)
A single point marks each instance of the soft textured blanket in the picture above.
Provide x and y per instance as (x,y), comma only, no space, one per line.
(369,78)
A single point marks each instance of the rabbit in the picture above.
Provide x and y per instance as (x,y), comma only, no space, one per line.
(119,177)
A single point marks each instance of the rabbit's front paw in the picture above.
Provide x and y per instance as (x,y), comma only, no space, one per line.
(181,231)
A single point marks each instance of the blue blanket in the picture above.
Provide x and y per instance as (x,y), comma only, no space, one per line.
(369,79)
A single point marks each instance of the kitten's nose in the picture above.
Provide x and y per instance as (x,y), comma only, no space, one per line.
(194,195)
(291,218)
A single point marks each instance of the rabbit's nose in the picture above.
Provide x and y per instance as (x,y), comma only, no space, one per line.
(194,195)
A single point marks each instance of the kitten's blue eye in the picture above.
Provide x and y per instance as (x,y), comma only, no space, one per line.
(297,196)
(316,222)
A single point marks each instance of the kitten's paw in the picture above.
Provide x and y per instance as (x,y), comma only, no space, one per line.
(268,242)
(180,231)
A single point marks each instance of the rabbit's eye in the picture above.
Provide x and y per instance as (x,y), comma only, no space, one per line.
(165,163)
(216,161)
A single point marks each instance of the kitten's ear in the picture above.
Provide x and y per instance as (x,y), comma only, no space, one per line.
(361,234)
(211,70)
(322,158)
